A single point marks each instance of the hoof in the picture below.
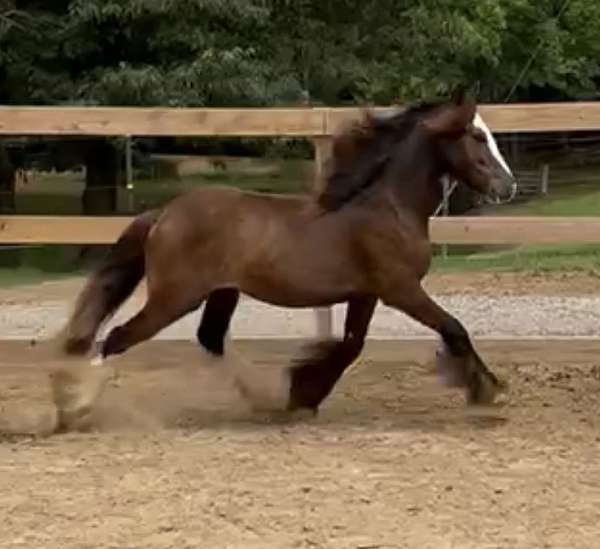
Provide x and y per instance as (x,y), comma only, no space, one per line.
(303,414)
(295,406)
(484,389)
(307,390)
(75,390)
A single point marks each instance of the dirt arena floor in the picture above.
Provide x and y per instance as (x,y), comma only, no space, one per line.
(175,458)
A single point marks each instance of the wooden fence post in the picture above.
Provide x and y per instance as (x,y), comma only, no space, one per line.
(324,315)
(545,178)
(322,147)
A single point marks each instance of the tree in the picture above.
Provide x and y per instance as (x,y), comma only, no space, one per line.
(274,52)
(558,42)
(151,52)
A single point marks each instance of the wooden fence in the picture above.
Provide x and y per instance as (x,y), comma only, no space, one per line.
(80,230)
(307,122)
(532,182)
(316,123)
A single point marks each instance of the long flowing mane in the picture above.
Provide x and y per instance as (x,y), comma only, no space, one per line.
(362,152)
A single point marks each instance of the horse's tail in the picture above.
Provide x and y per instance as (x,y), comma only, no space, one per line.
(108,286)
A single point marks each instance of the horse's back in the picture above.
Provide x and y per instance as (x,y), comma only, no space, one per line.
(222,196)
(229,217)
(219,206)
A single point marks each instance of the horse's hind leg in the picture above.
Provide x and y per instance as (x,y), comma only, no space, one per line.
(214,325)
(75,395)
(211,334)
(161,309)
(313,378)
(464,367)
(216,318)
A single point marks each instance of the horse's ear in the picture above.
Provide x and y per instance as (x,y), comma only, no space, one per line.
(452,119)
(459,95)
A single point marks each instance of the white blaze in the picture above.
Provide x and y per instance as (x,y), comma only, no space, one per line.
(479,123)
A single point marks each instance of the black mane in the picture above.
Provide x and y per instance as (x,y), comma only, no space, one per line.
(362,152)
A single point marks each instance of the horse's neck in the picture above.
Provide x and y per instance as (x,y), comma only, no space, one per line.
(415,185)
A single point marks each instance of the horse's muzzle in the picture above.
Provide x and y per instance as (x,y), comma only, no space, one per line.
(503,189)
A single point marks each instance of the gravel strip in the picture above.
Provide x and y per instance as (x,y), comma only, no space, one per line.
(483,316)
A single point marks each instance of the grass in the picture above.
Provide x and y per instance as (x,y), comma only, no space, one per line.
(579,200)
(533,259)
(19,276)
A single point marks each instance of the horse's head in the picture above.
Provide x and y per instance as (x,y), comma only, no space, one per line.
(467,150)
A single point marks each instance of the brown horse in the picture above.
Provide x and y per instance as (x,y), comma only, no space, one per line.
(363,239)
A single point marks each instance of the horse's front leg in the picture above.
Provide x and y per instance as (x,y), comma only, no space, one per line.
(463,367)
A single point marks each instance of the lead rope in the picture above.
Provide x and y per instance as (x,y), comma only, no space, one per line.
(447,195)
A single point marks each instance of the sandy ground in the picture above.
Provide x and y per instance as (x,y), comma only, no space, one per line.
(176,458)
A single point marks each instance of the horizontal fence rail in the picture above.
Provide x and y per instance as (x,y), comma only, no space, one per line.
(80,230)
(318,123)
(267,122)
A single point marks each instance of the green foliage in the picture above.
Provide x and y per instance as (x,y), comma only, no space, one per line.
(565,37)
(284,52)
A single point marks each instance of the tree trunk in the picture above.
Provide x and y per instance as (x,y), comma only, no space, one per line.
(8,258)
(7,183)
(100,197)
(102,180)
